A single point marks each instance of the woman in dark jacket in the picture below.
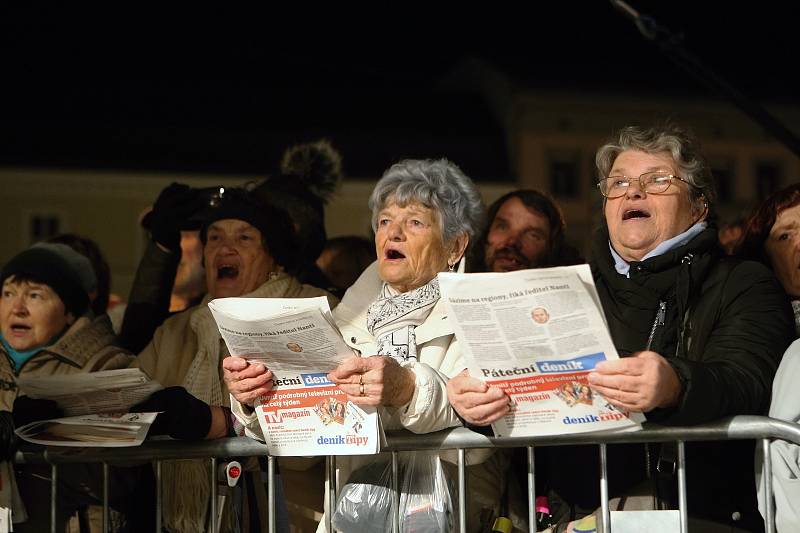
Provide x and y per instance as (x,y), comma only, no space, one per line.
(700,334)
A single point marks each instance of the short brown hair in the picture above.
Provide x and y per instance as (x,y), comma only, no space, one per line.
(761,220)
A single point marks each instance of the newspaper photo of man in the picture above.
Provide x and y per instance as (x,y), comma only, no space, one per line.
(540,315)
(293,346)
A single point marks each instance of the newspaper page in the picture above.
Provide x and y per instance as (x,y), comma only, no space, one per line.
(109,430)
(536,334)
(106,391)
(296,338)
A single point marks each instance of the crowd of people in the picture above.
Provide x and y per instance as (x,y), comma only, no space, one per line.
(702,331)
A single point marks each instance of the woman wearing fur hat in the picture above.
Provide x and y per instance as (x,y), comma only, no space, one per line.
(46,329)
(248,249)
(309,174)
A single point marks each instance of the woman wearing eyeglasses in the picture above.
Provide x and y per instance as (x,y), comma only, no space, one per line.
(700,334)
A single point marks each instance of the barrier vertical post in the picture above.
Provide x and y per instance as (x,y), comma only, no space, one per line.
(682,502)
(213,495)
(605,514)
(330,462)
(105,497)
(158,496)
(462,491)
(53,497)
(770,518)
(531,491)
(395,493)
(271,489)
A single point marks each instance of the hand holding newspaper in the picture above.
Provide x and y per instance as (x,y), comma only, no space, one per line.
(536,334)
(96,405)
(297,339)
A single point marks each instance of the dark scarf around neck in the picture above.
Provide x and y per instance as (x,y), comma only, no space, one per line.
(631,304)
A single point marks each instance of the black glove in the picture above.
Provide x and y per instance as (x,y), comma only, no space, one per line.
(183,417)
(8,439)
(27,410)
(175,205)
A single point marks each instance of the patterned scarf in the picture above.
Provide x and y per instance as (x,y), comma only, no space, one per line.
(392,317)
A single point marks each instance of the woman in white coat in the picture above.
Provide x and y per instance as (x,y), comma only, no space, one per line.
(424,214)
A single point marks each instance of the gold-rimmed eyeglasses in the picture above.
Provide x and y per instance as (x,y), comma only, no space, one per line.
(649,182)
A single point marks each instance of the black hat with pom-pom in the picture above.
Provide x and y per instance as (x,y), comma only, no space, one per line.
(309,175)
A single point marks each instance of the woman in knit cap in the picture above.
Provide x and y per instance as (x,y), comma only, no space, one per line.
(46,328)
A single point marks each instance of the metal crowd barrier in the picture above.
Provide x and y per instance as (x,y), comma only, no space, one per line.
(734,428)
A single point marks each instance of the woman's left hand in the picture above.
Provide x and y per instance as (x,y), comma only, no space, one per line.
(640,382)
(376,380)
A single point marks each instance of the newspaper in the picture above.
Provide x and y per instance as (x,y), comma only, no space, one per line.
(297,339)
(537,334)
(106,391)
(109,430)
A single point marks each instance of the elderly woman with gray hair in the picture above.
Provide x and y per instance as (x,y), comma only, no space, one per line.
(424,214)
(699,334)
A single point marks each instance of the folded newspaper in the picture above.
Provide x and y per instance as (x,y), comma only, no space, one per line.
(537,334)
(106,391)
(108,430)
(96,405)
(297,339)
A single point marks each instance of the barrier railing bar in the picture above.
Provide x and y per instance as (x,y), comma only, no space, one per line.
(770,519)
(735,428)
(605,515)
(158,496)
(395,493)
(462,491)
(271,495)
(531,491)
(105,498)
(53,497)
(683,506)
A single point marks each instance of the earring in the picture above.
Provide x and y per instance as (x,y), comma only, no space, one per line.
(273,275)
(450,266)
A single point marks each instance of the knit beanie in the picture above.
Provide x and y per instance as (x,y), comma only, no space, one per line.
(61,268)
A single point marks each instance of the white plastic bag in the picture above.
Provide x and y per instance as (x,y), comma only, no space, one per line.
(426,504)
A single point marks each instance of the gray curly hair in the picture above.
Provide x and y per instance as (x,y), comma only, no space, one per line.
(679,143)
(438,185)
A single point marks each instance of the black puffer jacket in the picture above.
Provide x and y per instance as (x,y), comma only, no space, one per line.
(723,324)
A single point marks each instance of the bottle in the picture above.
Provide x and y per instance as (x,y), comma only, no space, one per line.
(502,525)
(543,518)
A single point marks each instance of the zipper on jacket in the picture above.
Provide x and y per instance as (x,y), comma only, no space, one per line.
(661,316)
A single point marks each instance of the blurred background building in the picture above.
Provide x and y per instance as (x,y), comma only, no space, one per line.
(95,123)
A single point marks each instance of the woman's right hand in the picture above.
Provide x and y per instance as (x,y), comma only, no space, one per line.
(246,381)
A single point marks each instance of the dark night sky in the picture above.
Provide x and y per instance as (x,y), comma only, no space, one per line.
(227,91)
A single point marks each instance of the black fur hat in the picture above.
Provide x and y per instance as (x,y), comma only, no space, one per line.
(309,175)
